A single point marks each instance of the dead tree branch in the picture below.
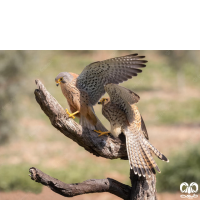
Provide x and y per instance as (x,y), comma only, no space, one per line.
(89,186)
(107,147)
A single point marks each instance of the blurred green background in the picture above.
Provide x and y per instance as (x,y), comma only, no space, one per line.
(169,88)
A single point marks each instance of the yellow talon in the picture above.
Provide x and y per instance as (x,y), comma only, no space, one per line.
(102,133)
(71,114)
(67,111)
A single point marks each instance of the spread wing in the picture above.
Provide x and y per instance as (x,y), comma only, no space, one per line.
(123,98)
(114,70)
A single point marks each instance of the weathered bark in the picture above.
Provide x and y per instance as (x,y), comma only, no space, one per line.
(107,147)
(89,186)
(143,188)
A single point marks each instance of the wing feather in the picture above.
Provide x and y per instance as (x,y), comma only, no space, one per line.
(114,70)
(123,98)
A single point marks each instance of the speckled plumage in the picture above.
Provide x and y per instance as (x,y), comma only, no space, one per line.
(79,101)
(84,91)
(114,70)
(117,110)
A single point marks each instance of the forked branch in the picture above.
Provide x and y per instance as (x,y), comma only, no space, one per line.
(107,147)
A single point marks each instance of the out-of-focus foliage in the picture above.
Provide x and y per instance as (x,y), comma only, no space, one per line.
(170,112)
(166,71)
(178,61)
(183,167)
(11,74)
(16,178)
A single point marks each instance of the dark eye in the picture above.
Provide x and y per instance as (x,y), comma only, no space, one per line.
(61,79)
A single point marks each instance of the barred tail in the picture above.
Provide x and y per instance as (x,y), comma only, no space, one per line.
(155,151)
(131,147)
(149,156)
(146,162)
(139,154)
(139,163)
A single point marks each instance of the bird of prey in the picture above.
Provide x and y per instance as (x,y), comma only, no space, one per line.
(84,91)
(124,117)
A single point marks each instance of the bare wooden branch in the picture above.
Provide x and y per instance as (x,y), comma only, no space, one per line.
(107,147)
(89,186)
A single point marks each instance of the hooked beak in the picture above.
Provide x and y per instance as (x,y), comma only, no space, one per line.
(58,82)
(99,102)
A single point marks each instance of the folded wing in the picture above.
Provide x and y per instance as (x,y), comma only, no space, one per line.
(123,98)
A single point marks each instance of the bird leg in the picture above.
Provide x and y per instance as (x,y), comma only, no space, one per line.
(102,133)
(71,114)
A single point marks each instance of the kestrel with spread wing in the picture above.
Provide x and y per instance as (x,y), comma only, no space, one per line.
(84,91)
(124,117)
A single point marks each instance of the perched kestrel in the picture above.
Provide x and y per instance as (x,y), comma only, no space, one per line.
(84,90)
(124,117)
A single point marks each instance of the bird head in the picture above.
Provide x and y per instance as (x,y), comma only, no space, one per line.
(63,77)
(104,101)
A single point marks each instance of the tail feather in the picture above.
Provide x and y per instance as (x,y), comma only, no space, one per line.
(85,123)
(155,151)
(91,116)
(131,154)
(145,165)
(99,125)
(149,156)
(139,153)
(137,160)
(135,154)
(149,167)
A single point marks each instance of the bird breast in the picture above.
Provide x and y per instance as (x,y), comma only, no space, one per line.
(69,90)
(72,95)
(116,117)
(116,129)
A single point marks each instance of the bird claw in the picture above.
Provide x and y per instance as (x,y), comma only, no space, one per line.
(102,133)
(70,115)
